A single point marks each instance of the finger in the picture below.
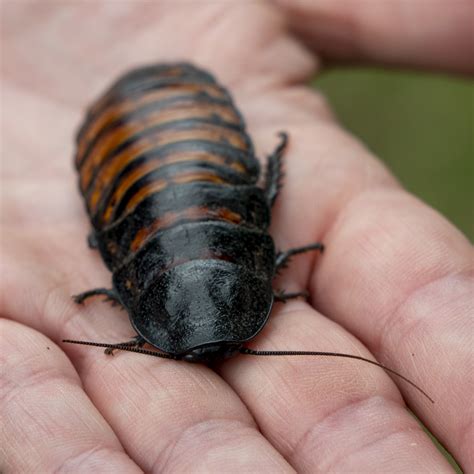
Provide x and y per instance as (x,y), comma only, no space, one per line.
(435,34)
(386,253)
(406,290)
(175,417)
(169,416)
(337,184)
(49,423)
(328,415)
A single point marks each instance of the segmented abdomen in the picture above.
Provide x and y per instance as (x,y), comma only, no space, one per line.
(164,146)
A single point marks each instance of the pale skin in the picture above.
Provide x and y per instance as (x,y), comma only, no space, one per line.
(394,283)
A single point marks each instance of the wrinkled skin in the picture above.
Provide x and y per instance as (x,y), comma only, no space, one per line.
(394,282)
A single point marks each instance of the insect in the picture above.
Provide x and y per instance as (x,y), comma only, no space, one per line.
(170,182)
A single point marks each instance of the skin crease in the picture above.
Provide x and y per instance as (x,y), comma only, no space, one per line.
(395,280)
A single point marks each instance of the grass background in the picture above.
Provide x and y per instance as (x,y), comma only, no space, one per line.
(420,124)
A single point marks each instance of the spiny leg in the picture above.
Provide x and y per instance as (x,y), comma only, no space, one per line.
(137,342)
(274,174)
(110,295)
(283,258)
(281,261)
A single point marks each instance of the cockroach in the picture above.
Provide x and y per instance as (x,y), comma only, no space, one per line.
(170,182)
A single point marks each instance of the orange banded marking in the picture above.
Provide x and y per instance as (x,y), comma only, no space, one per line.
(104,179)
(118,109)
(175,111)
(118,136)
(191,213)
(165,137)
(157,186)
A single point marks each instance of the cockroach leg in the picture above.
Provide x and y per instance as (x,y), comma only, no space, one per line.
(274,173)
(136,342)
(110,295)
(282,258)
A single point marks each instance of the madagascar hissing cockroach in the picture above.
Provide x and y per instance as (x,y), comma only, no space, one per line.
(169,178)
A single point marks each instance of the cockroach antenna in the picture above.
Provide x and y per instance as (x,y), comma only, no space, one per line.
(252,352)
(122,347)
(247,351)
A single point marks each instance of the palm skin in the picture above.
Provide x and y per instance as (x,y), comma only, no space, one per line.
(395,278)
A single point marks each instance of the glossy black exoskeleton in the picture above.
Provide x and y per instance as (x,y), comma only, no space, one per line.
(181,222)
(169,178)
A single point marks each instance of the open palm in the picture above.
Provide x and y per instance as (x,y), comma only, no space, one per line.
(395,280)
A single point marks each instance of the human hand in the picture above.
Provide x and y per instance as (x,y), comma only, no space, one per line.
(395,280)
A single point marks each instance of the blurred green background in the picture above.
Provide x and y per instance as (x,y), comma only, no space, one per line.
(420,124)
